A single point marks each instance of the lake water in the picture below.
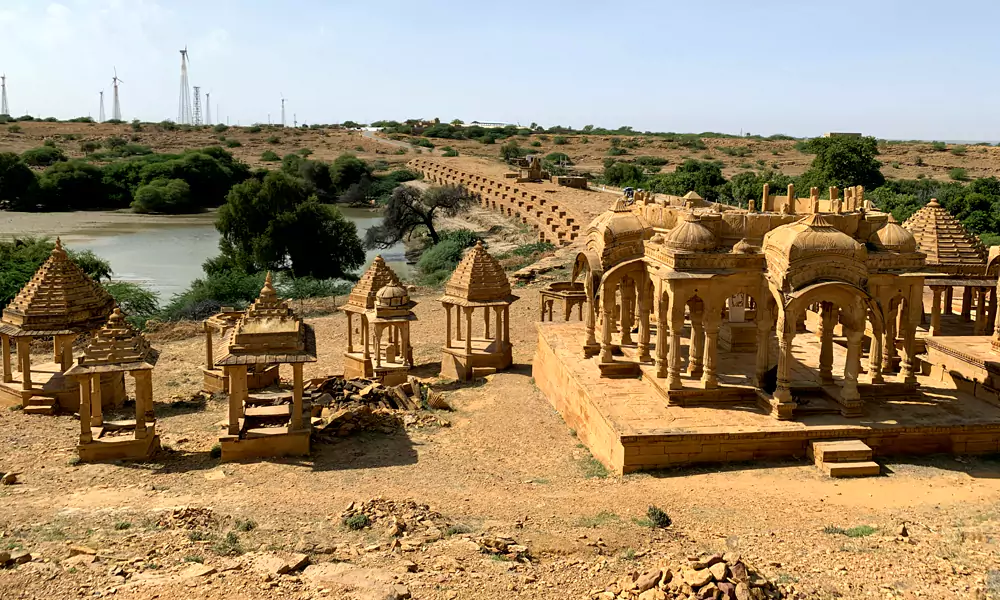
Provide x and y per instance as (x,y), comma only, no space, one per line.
(167,256)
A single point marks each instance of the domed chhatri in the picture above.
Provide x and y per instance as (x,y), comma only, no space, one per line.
(894,238)
(381,305)
(690,235)
(479,282)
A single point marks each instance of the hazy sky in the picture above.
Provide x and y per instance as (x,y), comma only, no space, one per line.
(899,69)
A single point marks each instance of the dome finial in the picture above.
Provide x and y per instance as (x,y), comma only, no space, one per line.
(58,250)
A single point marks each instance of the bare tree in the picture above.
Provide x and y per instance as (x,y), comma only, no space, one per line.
(410,208)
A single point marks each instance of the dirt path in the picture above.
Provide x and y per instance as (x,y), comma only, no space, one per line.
(507,463)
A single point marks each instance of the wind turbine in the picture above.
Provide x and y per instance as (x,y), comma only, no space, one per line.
(116,111)
(100,115)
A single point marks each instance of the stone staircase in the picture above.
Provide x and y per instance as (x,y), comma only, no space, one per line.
(269,413)
(844,458)
(41,405)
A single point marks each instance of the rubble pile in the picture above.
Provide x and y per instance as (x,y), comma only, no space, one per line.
(409,523)
(186,517)
(502,545)
(344,406)
(704,577)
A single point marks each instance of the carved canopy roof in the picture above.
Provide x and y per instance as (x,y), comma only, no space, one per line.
(269,333)
(59,299)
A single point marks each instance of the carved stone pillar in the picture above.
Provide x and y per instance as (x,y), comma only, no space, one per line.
(875,359)
(661,332)
(8,374)
(850,398)
(642,288)
(980,326)
(709,378)
(590,346)
(782,405)
(606,325)
(889,335)
(948,292)
(936,310)
(210,355)
(468,330)
(966,303)
(674,358)
(297,386)
(696,347)
(827,321)
(85,404)
(763,346)
(627,288)
(909,366)
(447,326)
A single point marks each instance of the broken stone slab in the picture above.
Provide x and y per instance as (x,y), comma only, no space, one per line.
(79,560)
(344,580)
(719,571)
(21,557)
(648,580)
(697,578)
(197,571)
(270,563)
(78,549)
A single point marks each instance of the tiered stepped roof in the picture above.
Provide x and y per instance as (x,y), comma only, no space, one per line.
(116,346)
(59,299)
(363,296)
(478,279)
(269,333)
(945,241)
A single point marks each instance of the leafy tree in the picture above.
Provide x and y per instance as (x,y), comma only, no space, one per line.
(163,196)
(703,177)
(18,184)
(409,208)
(346,171)
(43,156)
(843,162)
(272,223)
(749,185)
(624,174)
(457,122)
(89,147)
(20,258)
(73,185)
(511,151)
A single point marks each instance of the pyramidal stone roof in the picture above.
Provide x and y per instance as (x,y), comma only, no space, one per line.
(479,278)
(116,346)
(60,298)
(375,278)
(943,239)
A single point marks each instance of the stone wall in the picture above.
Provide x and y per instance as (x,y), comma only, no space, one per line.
(553,223)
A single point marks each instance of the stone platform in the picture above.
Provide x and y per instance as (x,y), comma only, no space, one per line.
(47,381)
(629,426)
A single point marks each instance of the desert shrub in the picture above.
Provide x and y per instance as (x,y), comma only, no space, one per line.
(919,161)
(734,150)
(168,125)
(205,296)
(14,128)
(357,522)
(89,147)
(939,146)
(72,185)
(18,183)
(449,151)
(220,128)
(853,532)
(959,150)
(163,196)
(511,151)
(559,158)
(958,174)
(233,144)
(650,161)
(136,125)
(214,452)
(536,144)
(270,156)
(657,517)
(560,140)
(50,143)
(616,151)
(297,288)
(305,151)
(438,262)
(43,156)
(114,142)
(273,139)
(423,142)
(253,129)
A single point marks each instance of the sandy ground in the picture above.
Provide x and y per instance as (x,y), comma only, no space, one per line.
(507,463)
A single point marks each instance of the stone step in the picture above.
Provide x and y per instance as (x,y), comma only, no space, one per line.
(39,410)
(482,371)
(268,398)
(839,451)
(38,400)
(852,469)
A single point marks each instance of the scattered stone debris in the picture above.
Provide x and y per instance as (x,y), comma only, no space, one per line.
(411,523)
(8,478)
(703,577)
(502,545)
(11,559)
(345,406)
(273,564)
(186,517)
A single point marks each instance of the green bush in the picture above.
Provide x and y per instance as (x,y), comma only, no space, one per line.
(138,302)
(253,129)
(220,128)
(273,139)
(560,140)
(233,144)
(449,151)
(623,174)
(939,146)
(14,128)
(958,174)
(614,151)
(438,262)
(657,517)
(163,196)
(43,156)
(357,522)
(959,150)
(205,296)
(423,142)
(270,156)
(89,147)
(18,184)
(536,144)
(650,161)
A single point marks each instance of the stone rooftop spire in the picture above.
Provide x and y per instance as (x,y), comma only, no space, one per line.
(375,278)
(479,278)
(943,239)
(117,343)
(59,297)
